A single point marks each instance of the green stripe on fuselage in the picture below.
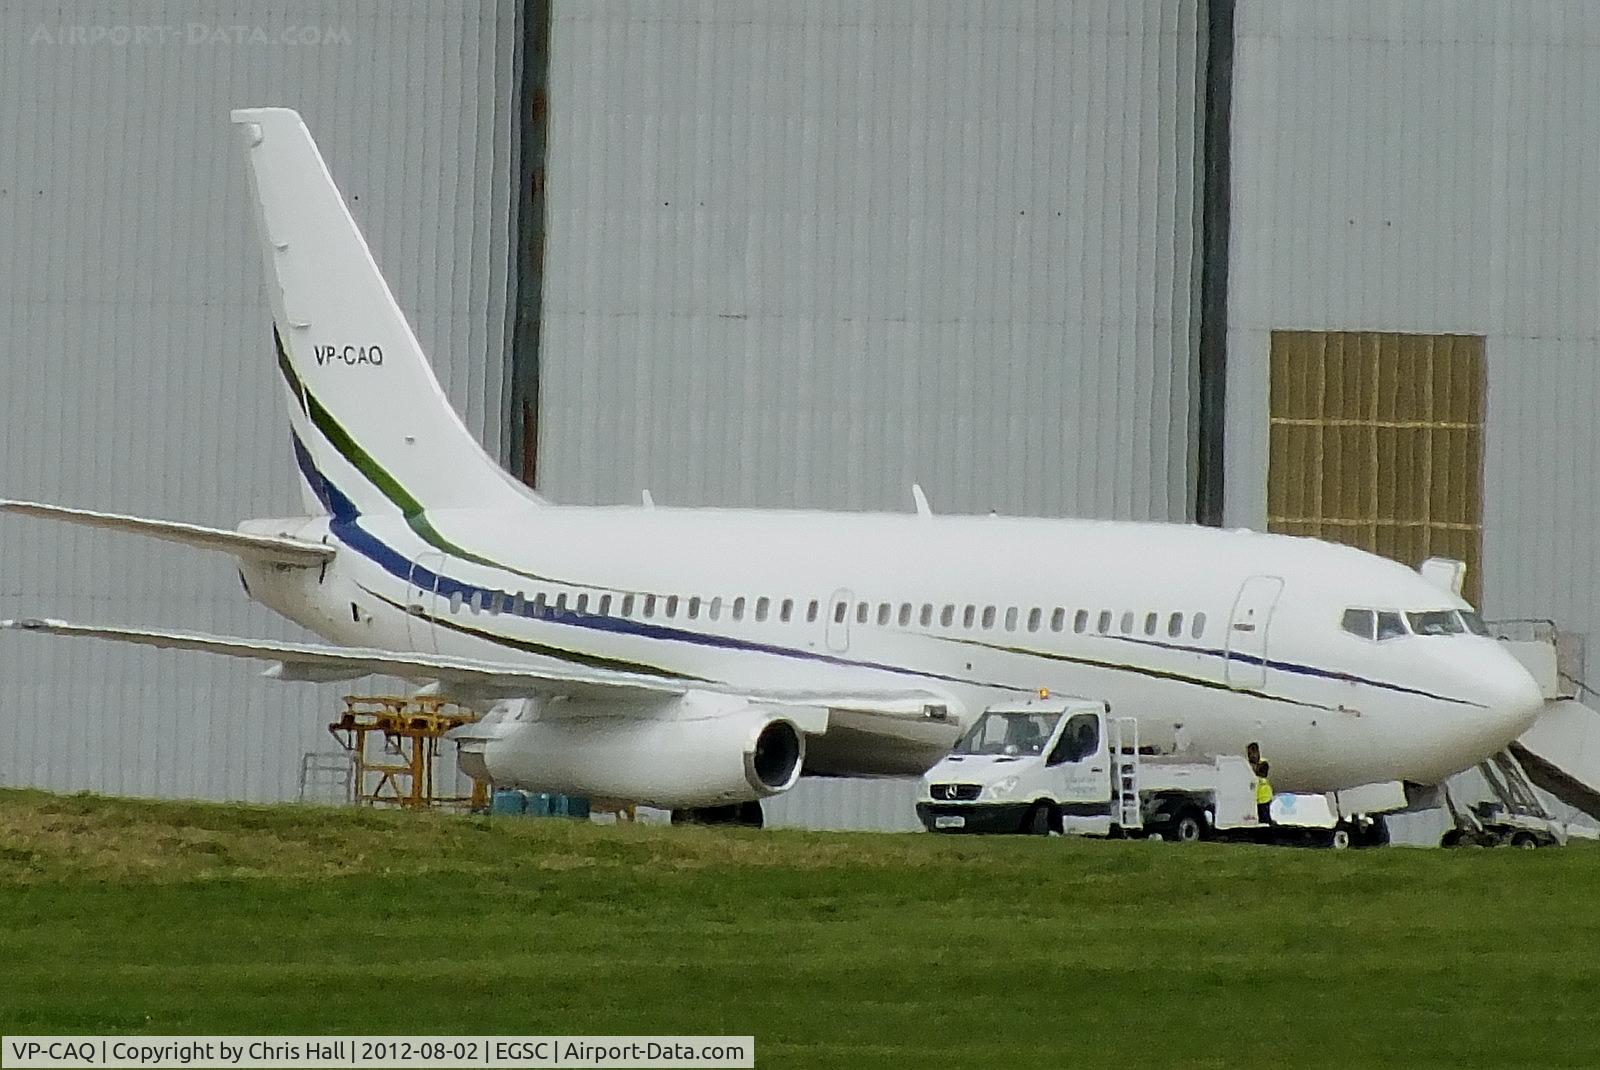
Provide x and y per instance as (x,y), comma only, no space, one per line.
(576,657)
(412,510)
(1117,666)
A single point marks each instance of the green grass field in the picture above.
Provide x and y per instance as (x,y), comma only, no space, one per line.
(841,950)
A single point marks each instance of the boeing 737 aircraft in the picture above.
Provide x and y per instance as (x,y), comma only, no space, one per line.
(704,659)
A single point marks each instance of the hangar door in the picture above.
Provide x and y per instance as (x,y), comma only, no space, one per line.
(1377,442)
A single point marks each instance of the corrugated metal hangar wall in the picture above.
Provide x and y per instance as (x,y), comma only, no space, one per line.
(138,360)
(1427,169)
(806,253)
(788,254)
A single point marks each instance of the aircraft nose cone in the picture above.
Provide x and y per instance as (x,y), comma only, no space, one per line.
(1515,698)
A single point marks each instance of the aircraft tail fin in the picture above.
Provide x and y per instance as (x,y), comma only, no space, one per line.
(374,432)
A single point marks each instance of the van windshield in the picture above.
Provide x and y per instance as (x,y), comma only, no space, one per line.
(1016,732)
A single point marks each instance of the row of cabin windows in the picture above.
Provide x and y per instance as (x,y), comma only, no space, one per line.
(1033,619)
(647,605)
(761,610)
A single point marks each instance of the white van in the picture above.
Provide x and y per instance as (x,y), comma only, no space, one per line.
(1065,765)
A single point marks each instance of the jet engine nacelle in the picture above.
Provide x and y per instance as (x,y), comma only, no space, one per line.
(700,749)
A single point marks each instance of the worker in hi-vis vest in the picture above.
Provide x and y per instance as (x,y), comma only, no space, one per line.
(1264,793)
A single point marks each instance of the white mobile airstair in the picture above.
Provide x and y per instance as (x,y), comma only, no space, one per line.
(1560,754)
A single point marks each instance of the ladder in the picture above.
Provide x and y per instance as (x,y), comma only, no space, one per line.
(1126,809)
(1510,785)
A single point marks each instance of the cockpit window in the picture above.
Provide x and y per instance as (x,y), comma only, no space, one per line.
(1435,622)
(1473,622)
(1390,625)
(1360,622)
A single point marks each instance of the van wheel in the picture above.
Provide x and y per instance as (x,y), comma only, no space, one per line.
(1187,827)
(1040,820)
(1525,840)
(1340,839)
(1451,838)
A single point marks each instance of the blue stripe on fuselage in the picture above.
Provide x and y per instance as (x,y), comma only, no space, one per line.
(346,527)
(1290,667)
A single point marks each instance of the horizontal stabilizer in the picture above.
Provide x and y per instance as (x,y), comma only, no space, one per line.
(268,549)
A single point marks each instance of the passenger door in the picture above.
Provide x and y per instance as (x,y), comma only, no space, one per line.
(1247,632)
(422,602)
(1080,765)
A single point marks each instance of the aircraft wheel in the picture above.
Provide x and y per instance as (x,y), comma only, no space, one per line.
(750,816)
(1339,840)
(707,815)
(1451,838)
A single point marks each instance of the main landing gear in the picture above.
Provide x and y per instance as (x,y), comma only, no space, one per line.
(744,815)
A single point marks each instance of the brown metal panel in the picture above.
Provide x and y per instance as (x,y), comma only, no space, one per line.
(1376,440)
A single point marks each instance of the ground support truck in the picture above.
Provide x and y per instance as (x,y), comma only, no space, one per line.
(1066,765)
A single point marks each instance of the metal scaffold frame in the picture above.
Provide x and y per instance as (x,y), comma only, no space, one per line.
(410,728)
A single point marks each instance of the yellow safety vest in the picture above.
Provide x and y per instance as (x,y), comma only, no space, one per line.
(1263,790)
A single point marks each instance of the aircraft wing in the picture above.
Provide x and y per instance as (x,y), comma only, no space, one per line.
(317,662)
(270,549)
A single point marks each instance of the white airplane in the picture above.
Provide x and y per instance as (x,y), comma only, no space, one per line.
(702,659)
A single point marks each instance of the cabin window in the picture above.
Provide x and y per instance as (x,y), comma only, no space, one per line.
(1361,623)
(1080,621)
(969,616)
(988,616)
(862,609)
(493,603)
(672,605)
(455,601)
(583,603)
(539,604)
(738,608)
(627,605)
(905,614)
(763,604)
(947,616)
(605,605)
(355,613)
(926,618)
(1058,619)
(649,605)
(518,604)
(1150,623)
(786,610)
(1127,622)
(694,607)
(561,603)
(1175,626)
(1390,625)
(839,611)
(1034,617)
(1198,628)
(1011,619)
(811,612)
(1104,623)
(476,601)
(714,608)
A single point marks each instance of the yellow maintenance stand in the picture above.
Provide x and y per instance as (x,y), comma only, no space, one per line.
(397,767)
